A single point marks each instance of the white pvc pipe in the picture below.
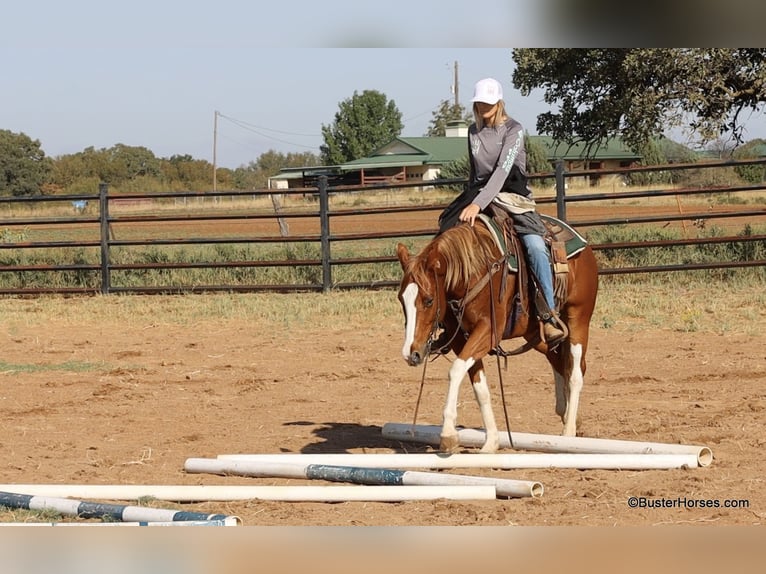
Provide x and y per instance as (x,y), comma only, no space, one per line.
(361,475)
(429,434)
(619,461)
(340,493)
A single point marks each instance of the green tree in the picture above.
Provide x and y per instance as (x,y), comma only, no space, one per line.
(445,113)
(116,165)
(651,154)
(130,162)
(751,150)
(537,156)
(183,173)
(24,168)
(362,124)
(638,93)
(257,173)
(456,169)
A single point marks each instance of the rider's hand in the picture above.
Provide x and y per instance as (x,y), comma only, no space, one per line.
(469,213)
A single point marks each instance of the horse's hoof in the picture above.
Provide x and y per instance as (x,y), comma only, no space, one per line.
(490,448)
(449,444)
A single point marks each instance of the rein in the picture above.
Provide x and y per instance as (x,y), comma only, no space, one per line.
(492,268)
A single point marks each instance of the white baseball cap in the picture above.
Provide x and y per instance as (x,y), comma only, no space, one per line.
(488,91)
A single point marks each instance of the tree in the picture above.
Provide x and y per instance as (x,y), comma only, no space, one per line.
(753,149)
(129,162)
(257,173)
(537,156)
(639,93)
(362,124)
(24,168)
(721,148)
(183,172)
(445,113)
(456,169)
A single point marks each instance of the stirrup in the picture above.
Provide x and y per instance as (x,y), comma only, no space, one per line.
(556,322)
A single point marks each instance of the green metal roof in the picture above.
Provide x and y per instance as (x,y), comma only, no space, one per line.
(403,151)
(612,149)
(411,152)
(441,149)
(415,151)
(389,160)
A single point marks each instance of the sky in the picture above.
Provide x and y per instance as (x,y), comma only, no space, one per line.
(240,78)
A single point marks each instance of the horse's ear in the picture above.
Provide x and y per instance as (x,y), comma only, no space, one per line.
(402,254)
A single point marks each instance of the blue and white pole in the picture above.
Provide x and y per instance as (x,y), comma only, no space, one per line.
(116,512)
(359,475)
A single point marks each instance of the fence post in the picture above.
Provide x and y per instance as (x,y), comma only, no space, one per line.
(103,211)
(324,222)
(561,205)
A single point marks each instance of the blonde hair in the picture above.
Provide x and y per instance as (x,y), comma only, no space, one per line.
(499,117)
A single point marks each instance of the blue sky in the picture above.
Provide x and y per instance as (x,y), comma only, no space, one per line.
(153,73)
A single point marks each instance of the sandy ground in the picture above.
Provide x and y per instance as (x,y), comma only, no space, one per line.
(101,401)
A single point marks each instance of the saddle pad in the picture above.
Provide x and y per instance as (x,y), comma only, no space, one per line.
(499,238)
(573,241)
(561,231)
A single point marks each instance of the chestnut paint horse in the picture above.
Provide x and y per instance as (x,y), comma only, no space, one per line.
(453,282)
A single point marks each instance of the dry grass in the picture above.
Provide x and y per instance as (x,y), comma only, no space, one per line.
(678,305)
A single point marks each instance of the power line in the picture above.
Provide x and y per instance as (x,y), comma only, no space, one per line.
(246,125)
(252,128)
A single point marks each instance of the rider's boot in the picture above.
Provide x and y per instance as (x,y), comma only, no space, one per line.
(552,332)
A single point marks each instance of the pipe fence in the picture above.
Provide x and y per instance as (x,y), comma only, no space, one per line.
(344,237)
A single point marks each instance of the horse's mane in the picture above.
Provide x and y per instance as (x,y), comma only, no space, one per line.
(463,254)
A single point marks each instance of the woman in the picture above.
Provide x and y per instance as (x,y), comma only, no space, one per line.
(498,176)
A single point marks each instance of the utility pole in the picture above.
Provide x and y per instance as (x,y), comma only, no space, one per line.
(215,146)
(457,99)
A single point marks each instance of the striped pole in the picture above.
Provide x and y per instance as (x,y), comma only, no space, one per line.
(429,434)
(143,523)
(117,512)
(359,475)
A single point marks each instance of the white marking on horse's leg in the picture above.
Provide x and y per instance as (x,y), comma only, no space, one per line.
(575,386)
(457,373)
(481,392)
(409,296)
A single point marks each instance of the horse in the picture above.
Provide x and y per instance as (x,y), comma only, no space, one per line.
(457,282)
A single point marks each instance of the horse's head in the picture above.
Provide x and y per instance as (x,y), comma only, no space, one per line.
(423,300)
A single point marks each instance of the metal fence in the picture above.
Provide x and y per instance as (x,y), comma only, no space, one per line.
(156,242)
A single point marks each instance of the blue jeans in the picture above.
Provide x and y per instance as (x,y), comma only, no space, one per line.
(539,261)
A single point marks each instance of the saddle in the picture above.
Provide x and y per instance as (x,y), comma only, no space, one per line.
(563,242)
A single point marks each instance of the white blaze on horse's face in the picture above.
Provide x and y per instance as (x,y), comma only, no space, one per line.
(409,296)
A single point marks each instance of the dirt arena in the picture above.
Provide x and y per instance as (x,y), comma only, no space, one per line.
(97,394)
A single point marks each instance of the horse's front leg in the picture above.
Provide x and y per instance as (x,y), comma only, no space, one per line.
(469,361)
(449,441)
(481,392)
